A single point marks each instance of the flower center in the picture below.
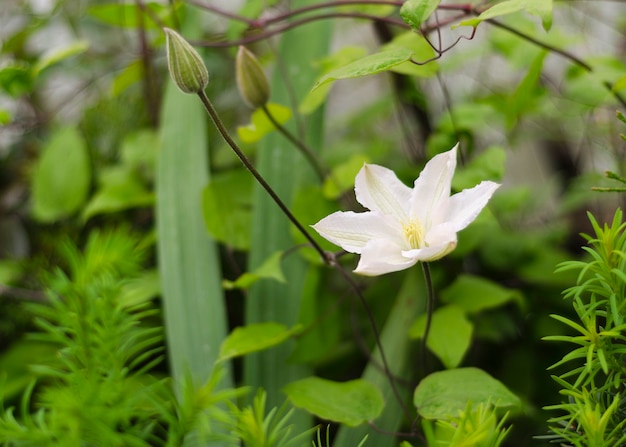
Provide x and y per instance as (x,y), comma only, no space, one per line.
(414,233)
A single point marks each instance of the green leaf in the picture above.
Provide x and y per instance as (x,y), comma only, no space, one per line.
(119,190)
(540,8)
(450,334)
(422,52)
(126,77)
(344,56)
(261,125)
(590,88)
(62,177)
(341,178)
(416,12)
(139,151)
(270,269)
(372,9)
(351,403)
(253,338)
(372,64)
(474,294)
(227,208)
(130,15)
(488,165)
(525,95)
(445,394)
(10,270)
(16,79)
(189,266)
(5,117)
(57,55)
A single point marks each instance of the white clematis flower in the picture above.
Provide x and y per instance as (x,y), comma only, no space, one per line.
(404,225)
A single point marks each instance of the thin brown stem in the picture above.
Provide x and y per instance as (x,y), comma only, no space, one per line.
(379,345)
(259,178)
(430,306)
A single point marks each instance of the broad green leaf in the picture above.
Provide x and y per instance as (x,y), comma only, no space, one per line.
(127,15)
(344,56)
(416,12)
(57,55)
(5,117)
(590,88)
(372,64)
(128,76)
(540,8)
(10,270)
(450,334)
(526,93)
(253,338)
(423,53)
(445,394)
(139,151)
(119,190)
(322,340)
(270,269)
(341,178)
(474,294)
(488,165)
(16,79)
(471,117)
(189,266)
(62,177)
(620,84)
(351,403)
(227,208)
(374,10)
(261,125)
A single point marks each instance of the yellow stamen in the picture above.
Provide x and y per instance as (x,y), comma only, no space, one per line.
(414,233)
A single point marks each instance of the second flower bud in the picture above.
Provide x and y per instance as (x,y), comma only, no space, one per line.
(251,80)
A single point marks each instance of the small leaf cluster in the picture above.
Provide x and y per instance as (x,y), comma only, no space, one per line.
(593,414)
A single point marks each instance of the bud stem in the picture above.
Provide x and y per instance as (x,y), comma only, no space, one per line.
(250,167)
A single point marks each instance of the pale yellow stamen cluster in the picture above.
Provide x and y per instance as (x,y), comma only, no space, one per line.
(414,233)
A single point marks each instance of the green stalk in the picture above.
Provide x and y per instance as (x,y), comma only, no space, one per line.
(285,169)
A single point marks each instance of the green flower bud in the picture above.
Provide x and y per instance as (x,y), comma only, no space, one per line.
(186,67)
(251,79)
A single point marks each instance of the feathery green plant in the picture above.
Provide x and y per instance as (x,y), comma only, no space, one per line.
(595,410)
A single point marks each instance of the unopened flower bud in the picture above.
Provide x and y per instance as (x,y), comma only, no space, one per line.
(251,79)
(186,67)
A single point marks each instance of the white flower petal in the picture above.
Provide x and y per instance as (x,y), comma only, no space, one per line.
(352,231)
(442,234)
(378,189)
(382,256)
(432,253)
(431,190)
(465,206)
